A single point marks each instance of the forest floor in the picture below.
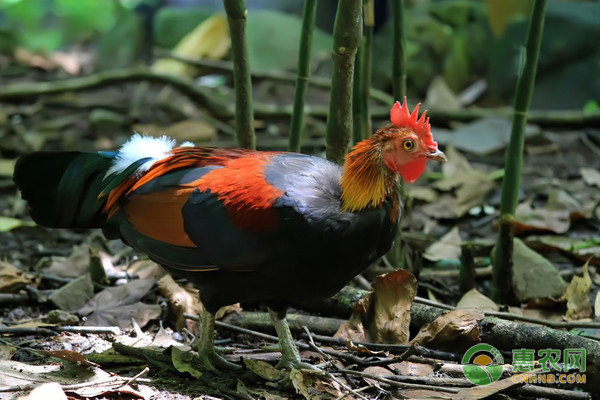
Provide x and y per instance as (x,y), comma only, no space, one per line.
(99,319)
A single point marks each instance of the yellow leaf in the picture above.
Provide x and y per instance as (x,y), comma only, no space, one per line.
(210,39)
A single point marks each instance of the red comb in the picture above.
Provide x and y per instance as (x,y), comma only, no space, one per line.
(402,118)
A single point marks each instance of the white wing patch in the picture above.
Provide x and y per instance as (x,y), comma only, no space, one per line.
(142,146)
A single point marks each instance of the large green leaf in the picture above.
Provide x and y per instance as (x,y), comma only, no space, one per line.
(274,37)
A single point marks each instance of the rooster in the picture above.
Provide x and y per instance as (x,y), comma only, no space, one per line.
(242,225)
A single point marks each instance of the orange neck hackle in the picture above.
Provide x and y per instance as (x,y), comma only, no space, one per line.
(366,181)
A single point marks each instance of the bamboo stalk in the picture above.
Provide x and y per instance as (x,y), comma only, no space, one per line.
(502,258)
(357,96)
(308,24)
(244,117)
(367,65)
(346,39)
(399,41)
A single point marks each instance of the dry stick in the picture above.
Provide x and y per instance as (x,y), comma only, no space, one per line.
(346,38)
(398,384)
(296,123)
(244,117)
(136,377)
(198,94)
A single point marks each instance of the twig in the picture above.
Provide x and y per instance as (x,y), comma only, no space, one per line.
(313,346)
(387,361)
(244,117)
(534,391)
(136,377)
(199,95)
(398,384)
(296,124)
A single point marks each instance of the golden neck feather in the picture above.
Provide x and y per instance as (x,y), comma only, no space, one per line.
(366,181)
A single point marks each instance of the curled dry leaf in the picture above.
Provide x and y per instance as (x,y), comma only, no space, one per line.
(12,279)
(311,385)
(473,299)
(577,296)
(182,300)
(383,316)
(450,326)
(70,356)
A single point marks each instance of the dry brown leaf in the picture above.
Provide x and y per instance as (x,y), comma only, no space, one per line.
(383,316)
(182,300)
(453,325)
(447,248)
(591,176)
(475,300)
(70,356)
(45,391)
(265,370)
(311,386)
(411,368)
(577,296)
(471,187)
(12,279)
(74,266)
(528,219)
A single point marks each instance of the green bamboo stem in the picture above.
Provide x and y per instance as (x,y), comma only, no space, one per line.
(399,42)
(347,32)
(357,96)
(308,24)
(367,66)
(502,258)
(244,117)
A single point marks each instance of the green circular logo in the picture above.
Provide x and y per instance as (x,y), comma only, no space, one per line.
(483,364)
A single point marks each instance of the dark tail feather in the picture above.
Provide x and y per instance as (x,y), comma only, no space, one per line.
(62,188)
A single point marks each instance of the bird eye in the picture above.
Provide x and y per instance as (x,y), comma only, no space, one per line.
(408,145)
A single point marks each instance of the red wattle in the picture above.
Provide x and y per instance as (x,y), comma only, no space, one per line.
(411,171)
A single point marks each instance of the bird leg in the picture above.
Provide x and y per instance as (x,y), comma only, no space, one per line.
(290,356)
(209,360)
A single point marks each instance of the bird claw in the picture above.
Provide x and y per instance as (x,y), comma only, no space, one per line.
(213,362)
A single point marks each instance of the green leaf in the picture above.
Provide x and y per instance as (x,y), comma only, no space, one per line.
(8,223)
(282,34)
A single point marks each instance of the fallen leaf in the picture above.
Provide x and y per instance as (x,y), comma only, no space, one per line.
(70,356)
(311,386)
(462,325)
(383,316)
(50,390)
(182,300)
(447,248)
(528,218)
(117,306)
(183,361)
(7,167)
(577,295)
(210,39)
(533,275)
(590,176)
(74,266)
(9,223)
(473,299)
(12,279)
(73,295)
(265,370)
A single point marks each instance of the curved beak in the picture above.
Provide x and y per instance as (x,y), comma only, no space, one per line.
(437,155)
